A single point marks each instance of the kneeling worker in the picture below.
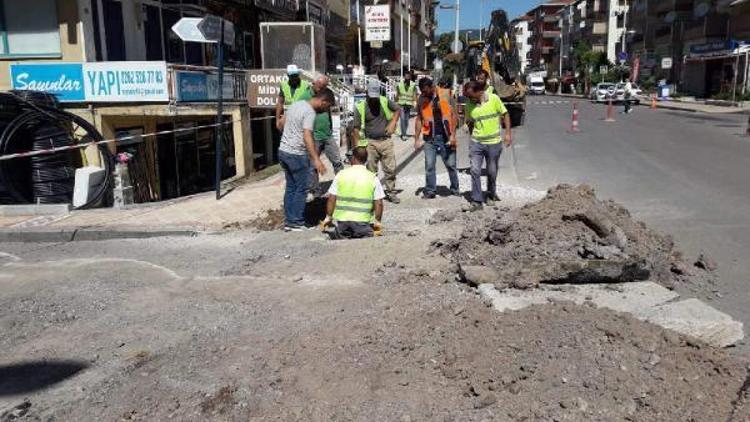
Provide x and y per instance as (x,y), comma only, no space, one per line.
(355,200)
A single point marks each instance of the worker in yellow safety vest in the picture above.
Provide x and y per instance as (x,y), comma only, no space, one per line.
(406,96)
(355,201)
(293,90)
(484,112)
(375,121)
(483,77)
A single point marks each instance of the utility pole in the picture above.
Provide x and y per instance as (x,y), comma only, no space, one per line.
(624,26)
(359,38)
(455,42)
(481,15)
(409,37)
(401,50)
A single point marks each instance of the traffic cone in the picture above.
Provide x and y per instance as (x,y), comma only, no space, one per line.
(574,122)
(653,101)
(610,112)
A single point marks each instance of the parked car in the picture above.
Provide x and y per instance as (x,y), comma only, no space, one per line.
(636,93)
(536,85)
(603,92)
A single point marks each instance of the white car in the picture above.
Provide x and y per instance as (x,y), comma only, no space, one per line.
(635,93)
(603,92)
(536,86)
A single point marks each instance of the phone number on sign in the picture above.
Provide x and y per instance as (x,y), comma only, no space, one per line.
(141,76)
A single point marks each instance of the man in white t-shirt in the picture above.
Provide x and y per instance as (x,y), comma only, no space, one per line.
(297,153)
(355,200)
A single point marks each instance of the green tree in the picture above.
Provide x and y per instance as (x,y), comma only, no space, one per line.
(588,63)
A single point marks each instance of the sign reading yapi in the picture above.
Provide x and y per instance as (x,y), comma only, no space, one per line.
(63,80)
(378,23)
(264,86)
(125,81)
(95,82)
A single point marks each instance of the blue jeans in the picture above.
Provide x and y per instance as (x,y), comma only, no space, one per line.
(297,172)
(432,148)
(405,116)
(479,153)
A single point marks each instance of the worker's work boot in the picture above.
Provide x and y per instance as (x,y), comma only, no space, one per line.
(472,207)
(491,200)
(392,198)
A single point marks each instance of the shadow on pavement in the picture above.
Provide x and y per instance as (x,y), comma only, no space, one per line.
(26,377)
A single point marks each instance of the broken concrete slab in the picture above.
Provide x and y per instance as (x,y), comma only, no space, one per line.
(697,319)
(646,301)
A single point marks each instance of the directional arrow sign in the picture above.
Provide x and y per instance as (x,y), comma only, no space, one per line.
(206,30)
(210,27)
(187,30)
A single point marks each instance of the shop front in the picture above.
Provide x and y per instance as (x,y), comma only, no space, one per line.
(718,69)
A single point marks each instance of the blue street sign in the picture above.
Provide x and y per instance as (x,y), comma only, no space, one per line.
(622,56)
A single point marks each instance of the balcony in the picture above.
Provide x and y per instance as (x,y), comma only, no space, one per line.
(551,34)
(551,18)
(599,28)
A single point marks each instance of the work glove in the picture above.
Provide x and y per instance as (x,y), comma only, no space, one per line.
(326,223)
(377,228)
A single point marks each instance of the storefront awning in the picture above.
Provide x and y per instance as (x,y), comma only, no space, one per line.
(722,54)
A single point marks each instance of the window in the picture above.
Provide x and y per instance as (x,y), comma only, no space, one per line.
(29,28)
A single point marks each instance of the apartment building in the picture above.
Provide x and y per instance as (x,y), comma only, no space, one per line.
(699,45)
(523,34)
(545,33)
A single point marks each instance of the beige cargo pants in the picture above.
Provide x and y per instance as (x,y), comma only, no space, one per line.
(383,152)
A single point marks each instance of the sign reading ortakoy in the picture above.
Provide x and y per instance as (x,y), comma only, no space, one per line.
(264,86)
(95,82)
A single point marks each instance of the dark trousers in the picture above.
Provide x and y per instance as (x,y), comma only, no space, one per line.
(479,154)
(432,148)
(297,171)
(351,230)
(331,150)
(405,116)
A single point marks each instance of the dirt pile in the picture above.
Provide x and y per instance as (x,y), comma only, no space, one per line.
(569,236)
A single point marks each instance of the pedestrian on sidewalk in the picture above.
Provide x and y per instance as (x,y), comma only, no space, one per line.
(291,91)
(355,201)
(376,118)
(324,141)
(484,114)
(483,77)
(405,96)
(297,152)
(627,94)
(436,124)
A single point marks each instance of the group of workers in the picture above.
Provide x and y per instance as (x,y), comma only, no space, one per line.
(354,206)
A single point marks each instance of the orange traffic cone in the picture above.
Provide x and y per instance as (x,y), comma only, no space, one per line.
(574,122)
(653,101)
(610,112)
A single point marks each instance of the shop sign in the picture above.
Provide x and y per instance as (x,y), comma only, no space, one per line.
(264,86)
(666,62)
(95,82)
(63,80)
(199,86)
(713,47)
(378,23)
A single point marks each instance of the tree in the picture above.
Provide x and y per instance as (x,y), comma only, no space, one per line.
(587,60)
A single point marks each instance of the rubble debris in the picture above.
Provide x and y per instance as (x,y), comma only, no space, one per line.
(569,236)
(705,263)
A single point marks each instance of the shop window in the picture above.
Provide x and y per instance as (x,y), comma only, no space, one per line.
(29,28)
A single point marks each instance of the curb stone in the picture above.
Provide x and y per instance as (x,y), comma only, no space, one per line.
(81,234)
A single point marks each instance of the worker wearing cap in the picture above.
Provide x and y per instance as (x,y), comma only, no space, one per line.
(405,96)
(376,118)
(483,77)
(293,90)
(355,200)
(484,112)
(436,124)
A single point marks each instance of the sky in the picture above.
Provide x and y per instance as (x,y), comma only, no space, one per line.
(470,17)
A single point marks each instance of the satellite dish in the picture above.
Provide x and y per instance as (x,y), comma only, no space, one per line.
(701,10)
(670,17)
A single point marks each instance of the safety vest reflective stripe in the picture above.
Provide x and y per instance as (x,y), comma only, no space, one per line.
(428,117)
(352,199)
(486,117)
(487,137)
(364,210)
(290,98)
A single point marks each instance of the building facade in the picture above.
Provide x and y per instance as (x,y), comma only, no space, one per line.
(522,34)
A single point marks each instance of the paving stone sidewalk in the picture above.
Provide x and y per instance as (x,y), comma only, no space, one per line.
(198,213)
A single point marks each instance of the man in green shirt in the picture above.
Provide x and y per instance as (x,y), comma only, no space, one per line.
(324,139)
(484,113)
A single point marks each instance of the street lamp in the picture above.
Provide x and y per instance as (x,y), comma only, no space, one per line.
(467,36)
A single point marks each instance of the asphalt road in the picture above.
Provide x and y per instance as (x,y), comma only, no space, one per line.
(683,173)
